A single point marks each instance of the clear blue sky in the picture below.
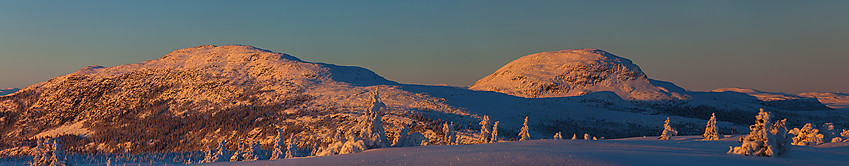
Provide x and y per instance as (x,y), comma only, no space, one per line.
(789,46)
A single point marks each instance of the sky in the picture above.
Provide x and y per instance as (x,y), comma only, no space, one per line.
(781,46)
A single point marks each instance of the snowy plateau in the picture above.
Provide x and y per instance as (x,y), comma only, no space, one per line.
(204,104)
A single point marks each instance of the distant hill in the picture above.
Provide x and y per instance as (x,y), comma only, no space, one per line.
(574,73)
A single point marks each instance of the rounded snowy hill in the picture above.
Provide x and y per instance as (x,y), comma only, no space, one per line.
(576,72)
(200,95)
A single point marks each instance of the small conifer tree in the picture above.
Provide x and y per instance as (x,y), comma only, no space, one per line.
(668,131)
(523,133)
(711,130)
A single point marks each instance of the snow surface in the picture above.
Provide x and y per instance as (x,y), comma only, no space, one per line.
(682,150)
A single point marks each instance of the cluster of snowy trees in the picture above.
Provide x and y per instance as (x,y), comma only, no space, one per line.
(809,136)
(765,138)
(48,152)
(711,130)
(283,148)
(489,132)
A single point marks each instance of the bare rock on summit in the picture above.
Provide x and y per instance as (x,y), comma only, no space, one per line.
(576,72)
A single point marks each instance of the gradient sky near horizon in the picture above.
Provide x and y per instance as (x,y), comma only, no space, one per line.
(784,46)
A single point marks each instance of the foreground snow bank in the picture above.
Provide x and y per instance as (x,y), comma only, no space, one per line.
(683,150)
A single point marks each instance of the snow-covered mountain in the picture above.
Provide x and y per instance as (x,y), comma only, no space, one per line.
(199,95)
(193,97)
(8,91)
(573,73)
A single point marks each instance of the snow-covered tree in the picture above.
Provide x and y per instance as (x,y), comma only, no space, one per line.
(807,136)
(781,141)
(353,145)
(38,154)
(277,150)
(222,154)
(828,132)
(845,133)
(238,155)
(764,139)
(494,137)
(417,139)
(523,133)
(450,134)
(573,136)
(668,131)
(374,133)
(207,158)
(557,136)
(292,147)
(58,152)
(405,138)
(48,153)
(401,137)
(711,130)
(254,152)
(333,148)
(485,130)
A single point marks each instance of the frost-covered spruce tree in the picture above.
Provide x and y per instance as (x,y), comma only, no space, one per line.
(47,153)
(557,136)
(450,134)
(764,139)
(38,155)
(277,150)
(374,132)
(807,136)
(207,158)
(523,133)
(401,137)
(845,133)
(222,154)
(352,145)
(292,147)
(252,154)
(405,138)
(711,130)
(417,139)
(58,152)
(58,156)
(494,137)
(779,133)
(485,130)
(668,131)
(238,155)
(828,132)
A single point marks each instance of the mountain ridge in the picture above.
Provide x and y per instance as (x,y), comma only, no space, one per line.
(245,93)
